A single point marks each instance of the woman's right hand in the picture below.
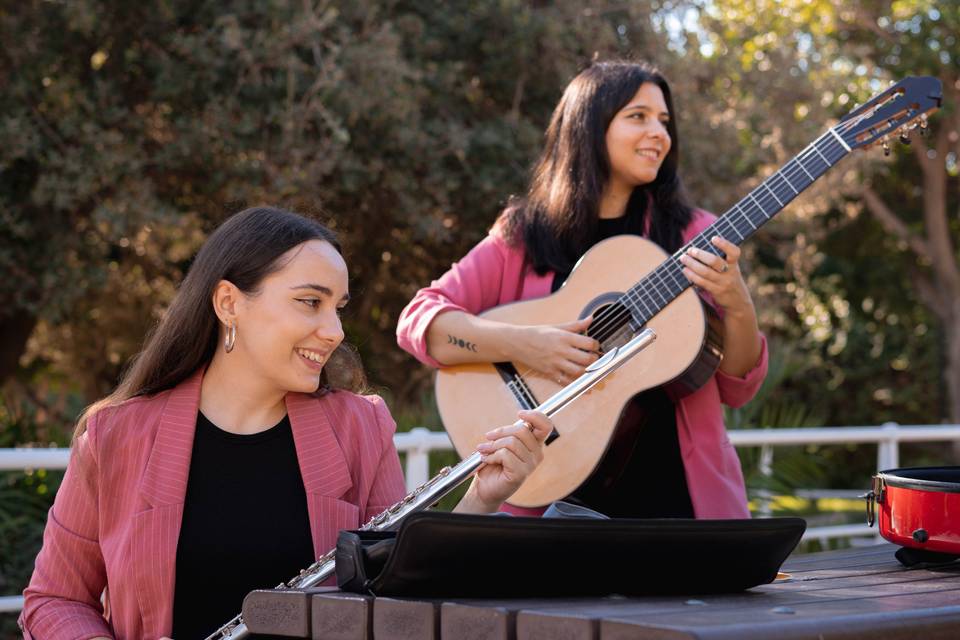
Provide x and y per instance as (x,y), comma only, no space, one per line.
(559,352)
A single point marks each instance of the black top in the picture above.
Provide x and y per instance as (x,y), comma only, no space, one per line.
(642,475)
(245,524)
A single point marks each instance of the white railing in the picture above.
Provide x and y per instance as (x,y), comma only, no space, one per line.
(887,438)
(419,442)
(416,443)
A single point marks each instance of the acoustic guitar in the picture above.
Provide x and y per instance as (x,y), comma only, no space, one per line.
(628,283)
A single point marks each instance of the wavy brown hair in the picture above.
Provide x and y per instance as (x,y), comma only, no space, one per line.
(558,216)
(243,250)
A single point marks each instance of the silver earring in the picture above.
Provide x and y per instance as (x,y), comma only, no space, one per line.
(231,338)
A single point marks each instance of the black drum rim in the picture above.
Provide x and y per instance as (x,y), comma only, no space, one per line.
(900,478)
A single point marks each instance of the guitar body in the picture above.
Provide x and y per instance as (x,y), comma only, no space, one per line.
(474,398)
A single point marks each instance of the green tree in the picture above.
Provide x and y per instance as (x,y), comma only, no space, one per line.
(128,132)
(873,281)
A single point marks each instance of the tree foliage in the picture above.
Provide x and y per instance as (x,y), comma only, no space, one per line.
(131,131)
(128,133)
(869,288)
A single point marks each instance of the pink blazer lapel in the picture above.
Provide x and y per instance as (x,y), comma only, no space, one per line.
(324,467)
(164,487)
(165,478)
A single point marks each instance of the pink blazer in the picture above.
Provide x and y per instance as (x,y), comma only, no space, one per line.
(116,518)
(495,273)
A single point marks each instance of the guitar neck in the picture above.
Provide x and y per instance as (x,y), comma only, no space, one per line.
(649,296)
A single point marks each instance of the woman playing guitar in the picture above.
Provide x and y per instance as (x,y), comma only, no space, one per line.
(608,167)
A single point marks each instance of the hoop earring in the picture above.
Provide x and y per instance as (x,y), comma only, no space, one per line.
(231,338)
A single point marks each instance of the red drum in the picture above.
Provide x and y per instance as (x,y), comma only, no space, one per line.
(918,507)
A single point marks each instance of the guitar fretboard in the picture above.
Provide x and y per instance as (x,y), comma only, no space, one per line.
(662,285)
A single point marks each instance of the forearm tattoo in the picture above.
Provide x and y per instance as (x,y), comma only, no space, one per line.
(463,344)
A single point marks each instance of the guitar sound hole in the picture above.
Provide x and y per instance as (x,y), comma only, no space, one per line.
(612,326)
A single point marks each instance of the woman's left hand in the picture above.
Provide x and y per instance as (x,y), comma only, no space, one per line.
(510,455)
(719,277)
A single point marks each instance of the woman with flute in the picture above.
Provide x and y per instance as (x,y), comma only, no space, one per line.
(227,459)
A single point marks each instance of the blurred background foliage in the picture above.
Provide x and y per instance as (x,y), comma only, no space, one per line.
(129,130)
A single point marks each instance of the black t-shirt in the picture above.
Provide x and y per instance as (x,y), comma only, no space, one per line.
(652,484)
(245,524)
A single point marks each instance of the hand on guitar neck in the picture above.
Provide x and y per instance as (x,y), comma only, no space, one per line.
(560,352)
(721,278)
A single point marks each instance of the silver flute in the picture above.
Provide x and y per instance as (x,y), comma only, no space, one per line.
(449,478)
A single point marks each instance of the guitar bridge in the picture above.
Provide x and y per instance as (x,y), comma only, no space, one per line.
(516,384)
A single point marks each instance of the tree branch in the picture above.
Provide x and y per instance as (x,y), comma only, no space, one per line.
(927,292)
(514,114)
(868,21)
(893,224)
(920,148)
(16,326)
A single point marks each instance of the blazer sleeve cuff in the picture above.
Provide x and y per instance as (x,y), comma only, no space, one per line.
(70,621)
(735,391)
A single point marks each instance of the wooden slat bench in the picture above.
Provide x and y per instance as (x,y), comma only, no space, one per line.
(856,593)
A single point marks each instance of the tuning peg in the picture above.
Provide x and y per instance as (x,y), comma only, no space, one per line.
(905,136)
(924,129)
(886,146)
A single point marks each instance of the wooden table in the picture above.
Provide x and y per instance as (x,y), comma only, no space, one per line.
(855,593)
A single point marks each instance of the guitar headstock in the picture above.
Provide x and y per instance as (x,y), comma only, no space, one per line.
(902,107)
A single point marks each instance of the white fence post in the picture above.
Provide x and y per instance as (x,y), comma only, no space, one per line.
(418,459)
(766,470)
(888,449)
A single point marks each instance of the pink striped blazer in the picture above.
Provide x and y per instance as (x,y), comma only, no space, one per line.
(495,273)
(116,519)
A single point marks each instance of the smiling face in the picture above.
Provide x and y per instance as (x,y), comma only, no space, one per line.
(637,138)
(287,330)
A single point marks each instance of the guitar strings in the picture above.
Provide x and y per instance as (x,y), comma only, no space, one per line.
(612,322)
(669,269)
(656,278)
(664,283)
(668,275)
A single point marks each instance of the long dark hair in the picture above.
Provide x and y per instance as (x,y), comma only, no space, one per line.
(243,250)
(558,216)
